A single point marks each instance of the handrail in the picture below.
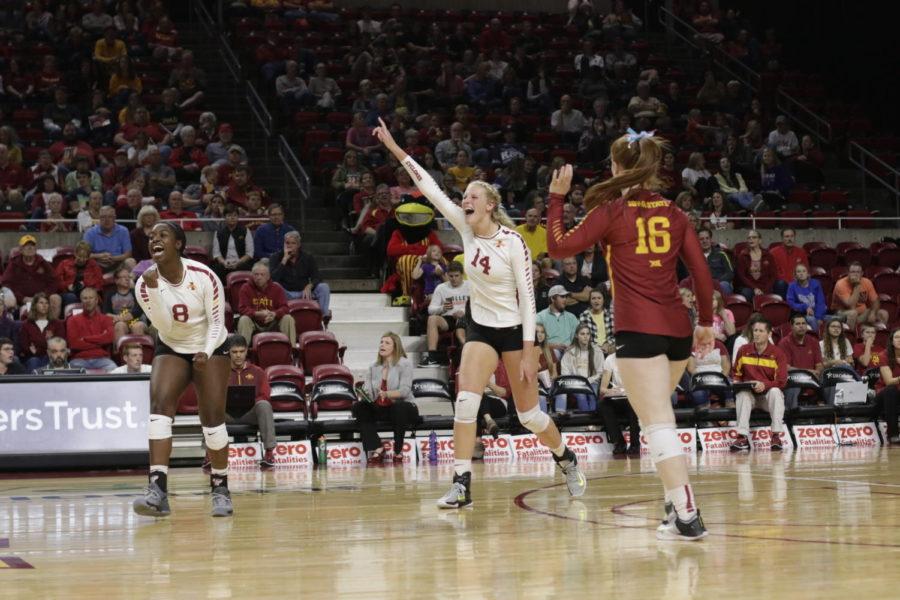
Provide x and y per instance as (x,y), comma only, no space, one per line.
(230,59)
(259,110)
(864,160)
(204,18)
(817,126)
(297,174)
(725,61)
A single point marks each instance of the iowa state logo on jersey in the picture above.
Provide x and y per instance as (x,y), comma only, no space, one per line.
(249,376)
(191,286)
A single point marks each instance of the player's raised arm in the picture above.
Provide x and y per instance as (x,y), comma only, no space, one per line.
(422,179)
(562,243)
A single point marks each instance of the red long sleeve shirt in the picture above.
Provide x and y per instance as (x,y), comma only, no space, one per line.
(252,299)
(90,335)
(251,375)
(768,367)
(787,259)
(30,334)
(643,236)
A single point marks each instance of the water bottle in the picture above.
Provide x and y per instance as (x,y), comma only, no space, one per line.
(432,447)
(323,451)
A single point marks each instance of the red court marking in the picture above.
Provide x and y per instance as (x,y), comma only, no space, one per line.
(619,509)
(14,562)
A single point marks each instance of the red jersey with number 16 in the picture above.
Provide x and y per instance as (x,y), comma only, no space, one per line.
(643,237)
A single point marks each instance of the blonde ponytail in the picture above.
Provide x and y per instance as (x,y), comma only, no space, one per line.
(639,161)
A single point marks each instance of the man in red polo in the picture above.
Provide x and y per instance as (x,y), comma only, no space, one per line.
(90,334)
(787,256)
(802,352)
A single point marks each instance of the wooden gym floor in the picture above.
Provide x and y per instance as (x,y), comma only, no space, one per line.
(803,525)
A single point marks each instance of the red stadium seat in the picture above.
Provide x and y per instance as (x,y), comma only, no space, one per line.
(763,299)
(229,317)
(801,197)
(72,309)
(318,348)
(843,247)
(827,284)
(146,342)
(860,255)
(873,270)
(891,305)
(823,257)
(233,283)
(860,219)
(188,403)
(794,218)
(740,308)
(272,348)
(834,197)
(766,219)
(291,374)
(810,246)
(887,283)
(825,219)
(197,253)
(888,257)
(10,221)
(777,313)
(307,315)
(330,372)
(838,271)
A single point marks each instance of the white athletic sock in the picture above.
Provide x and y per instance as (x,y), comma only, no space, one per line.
(462,466)
(685,503)
(160,468)
(219,472)
(559,450)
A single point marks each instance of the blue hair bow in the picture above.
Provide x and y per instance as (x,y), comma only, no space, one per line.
(633,136)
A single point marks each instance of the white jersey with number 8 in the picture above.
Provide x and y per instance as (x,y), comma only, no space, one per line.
(189,315)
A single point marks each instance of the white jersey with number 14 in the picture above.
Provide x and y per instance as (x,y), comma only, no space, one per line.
(498,267)
(189,315)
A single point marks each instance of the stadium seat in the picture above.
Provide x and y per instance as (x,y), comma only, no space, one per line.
(810,246)
(802,197)
(741,311)
(766,219)
(322,398)
(197,253)
(763,299)
(72,309)
(146,342)
(307,315)
(233,283)
(290,374)
(794,218)
(838,271)
(890,304)
(860,255)
(834,198)
(872,270)
(825,219)
(843,247)
(860,219)
(823,257)
(777,313)
(888,257)
(11,221)
(887,283)
(188,403)
(271,348)
(229,317)
(318,348)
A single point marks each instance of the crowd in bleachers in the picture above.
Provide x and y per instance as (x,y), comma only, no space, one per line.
(500,97)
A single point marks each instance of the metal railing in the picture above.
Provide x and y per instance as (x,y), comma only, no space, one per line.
(297,174)
(795,110)
(888,177)
(686,32)
(204,18)
(259,110)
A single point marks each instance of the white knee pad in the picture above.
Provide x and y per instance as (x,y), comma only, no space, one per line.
(159,427)
(534,419)
(216,437)
(467,404)
(662,441)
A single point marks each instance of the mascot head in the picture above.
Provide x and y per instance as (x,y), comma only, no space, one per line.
(415,218)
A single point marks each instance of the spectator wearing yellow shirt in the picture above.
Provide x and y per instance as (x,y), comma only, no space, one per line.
(534,234)
(109,50)
(124,82)
(462,172)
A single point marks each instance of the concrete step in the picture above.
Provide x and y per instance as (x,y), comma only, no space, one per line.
(359,301)
(381,314)
(340,261)
(345,273)
(318,249)
(354,284)
(325,235)
(352,333)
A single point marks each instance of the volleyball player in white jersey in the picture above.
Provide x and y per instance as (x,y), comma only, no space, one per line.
(501,324)
(185,302)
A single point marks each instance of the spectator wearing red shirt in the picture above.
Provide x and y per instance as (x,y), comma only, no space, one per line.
(755,268)
(35,332)
(263,306)
(244,373)
(76,273)
(787,256)
(802,352)
(90,335)
(67,149)
(866,354)
(241,187)
(764,364)
(13,180)
(188,159)
(175,212)
(889,397)
(494,37)
(49,76)
(142,123)
(29,273)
